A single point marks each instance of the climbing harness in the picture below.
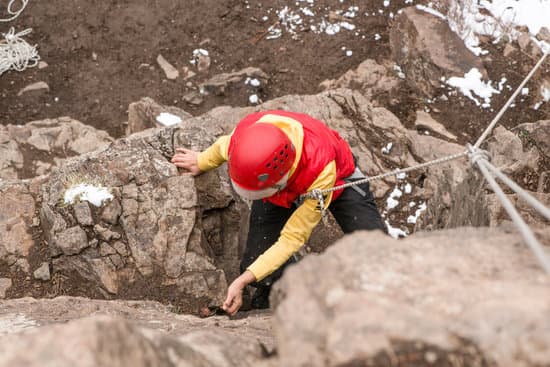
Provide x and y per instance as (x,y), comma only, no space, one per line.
(16,53)
(478,158)
(14,13)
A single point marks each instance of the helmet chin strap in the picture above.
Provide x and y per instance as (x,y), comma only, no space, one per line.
(261,194)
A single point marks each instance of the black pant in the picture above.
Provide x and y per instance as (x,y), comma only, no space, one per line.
(352,211)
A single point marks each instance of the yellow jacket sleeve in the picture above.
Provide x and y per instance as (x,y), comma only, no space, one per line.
(215,155)
(297,229)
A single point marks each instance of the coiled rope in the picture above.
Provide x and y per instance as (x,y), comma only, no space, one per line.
(15,53)
(14,13)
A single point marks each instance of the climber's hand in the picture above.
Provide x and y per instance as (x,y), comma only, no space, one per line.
(187,159)
(234,299)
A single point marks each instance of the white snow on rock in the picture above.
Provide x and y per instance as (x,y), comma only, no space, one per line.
(391,201)
(413,218)
(95,195)
(253,99)
(468,20)
(472,83)
(395,232)
(408,188)
(200,51)
(168,119)
(253,82)
(387,148)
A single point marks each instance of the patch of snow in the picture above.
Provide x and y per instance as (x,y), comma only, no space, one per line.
(400,73)
(391,201)
(472,83)
(386,3)
(168,119)
(253,82)
(308,12)
(87,192)
(413,218)
(351,12)
(349,53)
(395,232)
(387,148)
(501,83)
(200,51)
(524,91)
(401,176)
(408,188)
(377,37)
(253,99)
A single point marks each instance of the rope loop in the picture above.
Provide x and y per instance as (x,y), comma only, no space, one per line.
(16,53)
(476,154)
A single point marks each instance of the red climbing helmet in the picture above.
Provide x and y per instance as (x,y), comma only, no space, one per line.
(260,157)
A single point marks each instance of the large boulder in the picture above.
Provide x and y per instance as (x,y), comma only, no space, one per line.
(34,148)
(21,314)
(455,297)
(158,234)
(369,77)
(110,341)
(428,50)
(458,192)
(146,113)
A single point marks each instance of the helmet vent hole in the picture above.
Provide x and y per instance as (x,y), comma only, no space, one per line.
(268,165)
(281,152)
(275,167)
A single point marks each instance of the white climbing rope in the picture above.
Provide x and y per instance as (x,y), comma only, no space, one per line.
(16,53)
(523,228)
(315,193)
(507,104)
(531,200)
(14,13)
(478,158)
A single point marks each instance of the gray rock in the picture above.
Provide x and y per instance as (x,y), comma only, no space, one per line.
(121,332)
(145,314)
(143,115)
(16,213)
(83,214)
(218,83)
(43,272)
(527,45)
(370,78)
(34,87)
(111,212)
(544,34)
(370,298)
(106,250)
(169,70)
(5,284)
(425,121)
(120,248)
(55,138)
(427,50)
(71,241)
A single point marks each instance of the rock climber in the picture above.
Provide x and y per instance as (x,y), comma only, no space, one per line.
(273,157)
